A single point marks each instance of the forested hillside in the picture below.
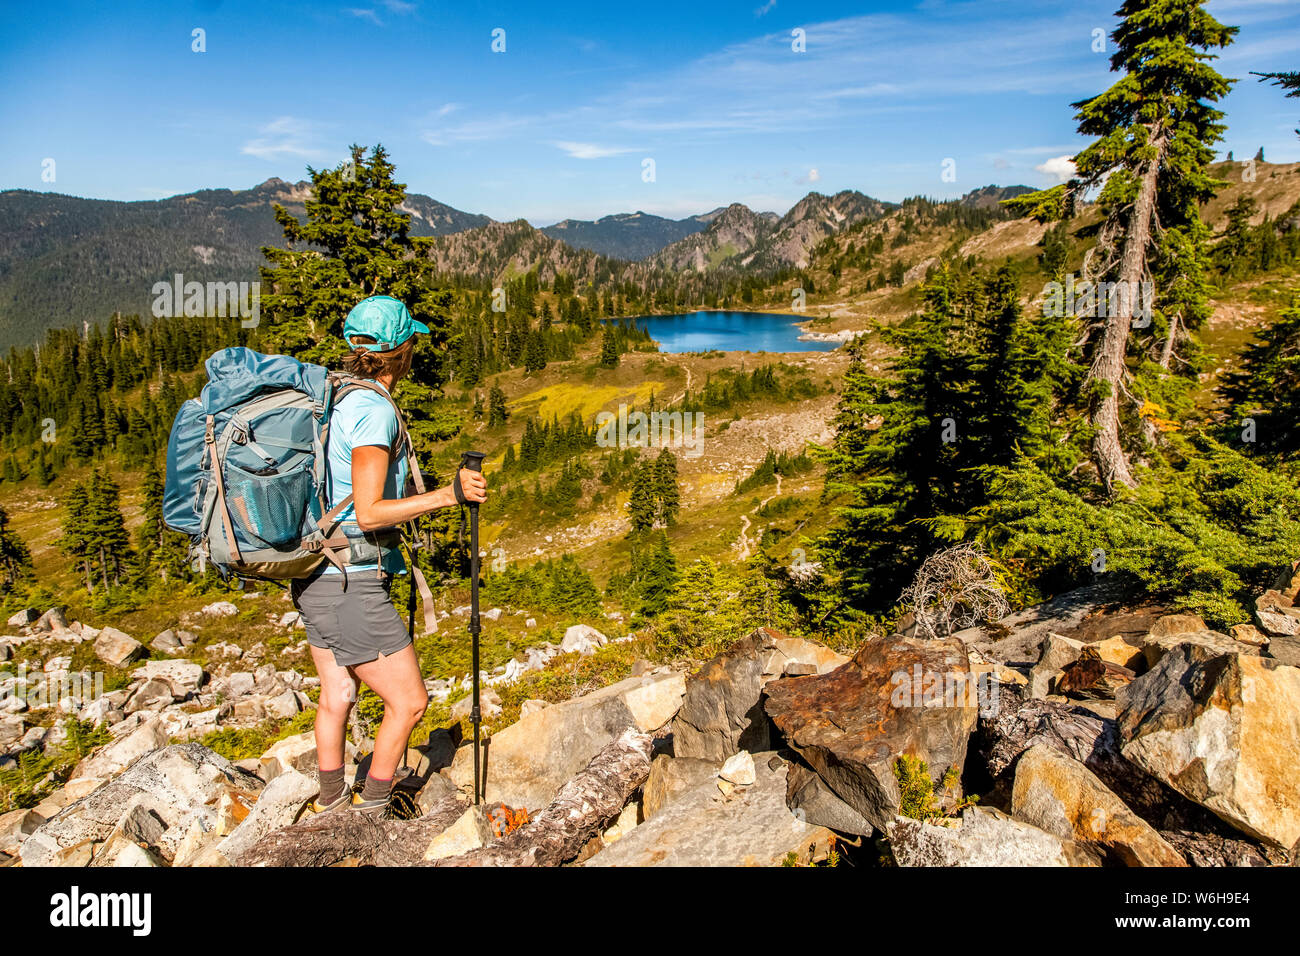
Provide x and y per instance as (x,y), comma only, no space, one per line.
(66,260)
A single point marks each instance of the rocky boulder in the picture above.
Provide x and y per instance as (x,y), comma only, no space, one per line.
(182,677)
(722,712)
(178,784)
(1057,653)
(896,696)
(1060,795)
(1285,649)
(531,759)
(812,801)
(113,758)
(670,776)
(167,642)
(276,806)
(152,695)
(51,621)
(1157,645)
(116,648)
(582,639)
(751,826)
(24,617)
(1093,679)
(1224,731)
(981,837)
(291,753)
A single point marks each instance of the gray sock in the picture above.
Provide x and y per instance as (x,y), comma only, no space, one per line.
(332,786)
(376,789)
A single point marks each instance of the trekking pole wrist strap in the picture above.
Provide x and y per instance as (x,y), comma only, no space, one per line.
(459,491)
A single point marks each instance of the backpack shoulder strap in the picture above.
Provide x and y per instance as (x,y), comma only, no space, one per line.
(403,443)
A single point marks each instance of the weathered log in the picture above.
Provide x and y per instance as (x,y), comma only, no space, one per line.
(581,808)
(556,834)
(330,838)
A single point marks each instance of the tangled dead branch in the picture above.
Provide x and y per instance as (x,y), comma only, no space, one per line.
(955,588)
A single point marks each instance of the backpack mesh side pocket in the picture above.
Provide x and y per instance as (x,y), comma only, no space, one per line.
(269,510)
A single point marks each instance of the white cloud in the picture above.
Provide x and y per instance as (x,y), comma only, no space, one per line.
(590,150)
(476,130)
(765,8)
(287,136)
(399,7)
(860,92)
(364,14)
(1062,167)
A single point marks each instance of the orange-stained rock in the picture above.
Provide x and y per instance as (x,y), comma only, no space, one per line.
(896,696)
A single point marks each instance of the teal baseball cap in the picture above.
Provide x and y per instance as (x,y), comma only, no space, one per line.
(382,318)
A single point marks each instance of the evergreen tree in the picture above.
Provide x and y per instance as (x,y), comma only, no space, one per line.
(15,558)
(1235,250)
(106,526)
(1056,251)
(666,493)
(355,242)
(1155,128)
(535,351)
(12,472)
(159,550)
(608,348)
(642,510)
(652,579)
(41,471)
(77,540)
(497,414)
(972,389)
(1266,388)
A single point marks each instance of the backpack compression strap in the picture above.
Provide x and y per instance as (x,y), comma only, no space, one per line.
(209,439)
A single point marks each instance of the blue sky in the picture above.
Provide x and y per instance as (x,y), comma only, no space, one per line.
(560,123)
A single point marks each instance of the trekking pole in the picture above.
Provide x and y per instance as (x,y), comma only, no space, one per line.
(473,461)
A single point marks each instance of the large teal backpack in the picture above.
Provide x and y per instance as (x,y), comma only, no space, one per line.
(247,472)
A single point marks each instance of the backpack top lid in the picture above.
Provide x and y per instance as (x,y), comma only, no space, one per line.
(237,374)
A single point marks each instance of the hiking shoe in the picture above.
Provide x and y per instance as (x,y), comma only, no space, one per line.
(313,806)
(377,809)
(397,804)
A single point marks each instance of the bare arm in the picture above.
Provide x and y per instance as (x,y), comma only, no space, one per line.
(374,511)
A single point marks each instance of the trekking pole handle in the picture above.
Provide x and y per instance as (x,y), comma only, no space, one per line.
(469,461)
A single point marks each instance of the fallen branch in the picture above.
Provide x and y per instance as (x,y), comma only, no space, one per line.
(580,810)
(330,838)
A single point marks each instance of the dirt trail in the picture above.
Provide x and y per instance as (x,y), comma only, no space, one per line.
(744,543)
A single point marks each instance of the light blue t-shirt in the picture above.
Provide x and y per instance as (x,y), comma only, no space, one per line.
(363,418)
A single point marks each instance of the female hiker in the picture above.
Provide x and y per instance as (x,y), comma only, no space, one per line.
(357,634)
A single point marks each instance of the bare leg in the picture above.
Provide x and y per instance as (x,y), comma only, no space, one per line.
(338,692)
(396,679)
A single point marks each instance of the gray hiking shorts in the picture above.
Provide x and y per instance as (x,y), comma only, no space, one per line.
(358,624)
